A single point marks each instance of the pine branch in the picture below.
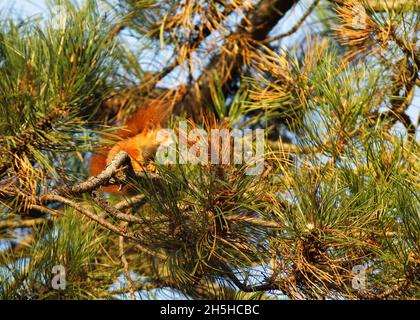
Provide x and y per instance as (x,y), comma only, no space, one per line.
(92,216)
(27,223)
(265,15)
(298,24)
(126,266)
(399,104)
(263,18)
(119,165)
(113,210)
(381,5)
(130,202)
(30,136)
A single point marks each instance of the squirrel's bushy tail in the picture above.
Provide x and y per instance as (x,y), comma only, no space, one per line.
(152,116)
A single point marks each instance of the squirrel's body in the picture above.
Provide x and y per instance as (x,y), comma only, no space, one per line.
(140,139)
(140,148)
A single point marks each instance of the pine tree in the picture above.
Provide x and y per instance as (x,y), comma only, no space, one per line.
(334,212)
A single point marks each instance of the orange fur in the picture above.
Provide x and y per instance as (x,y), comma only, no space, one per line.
(97,164)
(139,139)
(154,115)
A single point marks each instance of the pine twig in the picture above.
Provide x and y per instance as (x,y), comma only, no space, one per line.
(100,220)
(126,265)
(112,210)
(296,26)
(13,224)
(127,203)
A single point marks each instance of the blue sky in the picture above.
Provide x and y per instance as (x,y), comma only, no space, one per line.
(25,7)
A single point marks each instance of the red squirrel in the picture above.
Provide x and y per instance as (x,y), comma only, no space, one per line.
(139,137)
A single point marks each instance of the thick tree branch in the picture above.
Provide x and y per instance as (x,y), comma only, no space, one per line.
(102,179)
(255,28)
